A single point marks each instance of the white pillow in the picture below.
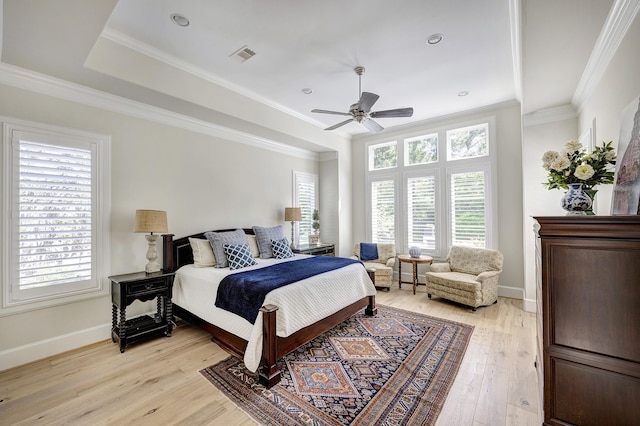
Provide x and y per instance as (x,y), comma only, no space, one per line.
(202,253)
(253,245)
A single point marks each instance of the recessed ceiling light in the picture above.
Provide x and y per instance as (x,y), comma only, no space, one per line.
(180,20)
(434,39)
(307,91)
(463,93)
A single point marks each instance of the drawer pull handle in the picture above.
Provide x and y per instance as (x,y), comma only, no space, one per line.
(149,285)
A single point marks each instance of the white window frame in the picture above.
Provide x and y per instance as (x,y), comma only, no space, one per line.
(441,235)
(14,299)
(300,178)
(490,212)
(440,169)
(377,177)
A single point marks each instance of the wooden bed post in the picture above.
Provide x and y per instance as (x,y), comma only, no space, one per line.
(371,309)
(269,372)
(167,253)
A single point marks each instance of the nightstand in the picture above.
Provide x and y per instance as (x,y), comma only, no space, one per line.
(140,286)
(317,250)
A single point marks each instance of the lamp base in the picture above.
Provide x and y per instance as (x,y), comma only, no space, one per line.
(152,255)
(293,244)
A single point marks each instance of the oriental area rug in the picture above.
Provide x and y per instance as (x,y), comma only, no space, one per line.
(394,368)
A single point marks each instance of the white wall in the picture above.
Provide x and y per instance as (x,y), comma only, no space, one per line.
(509,183)
(618,87)
(537,200)
(201,181)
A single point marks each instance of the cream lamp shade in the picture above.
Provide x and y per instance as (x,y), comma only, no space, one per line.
(151,221)
(293,215)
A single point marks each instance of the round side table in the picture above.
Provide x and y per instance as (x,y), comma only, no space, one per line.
(415,261)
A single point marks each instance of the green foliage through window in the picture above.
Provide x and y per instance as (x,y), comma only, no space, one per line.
(383,156)
(468,142)
(421,150)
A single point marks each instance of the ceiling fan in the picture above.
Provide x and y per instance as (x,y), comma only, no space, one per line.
(361,110)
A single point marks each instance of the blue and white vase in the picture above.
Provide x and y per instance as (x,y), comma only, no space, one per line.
(575,201)
(415,252)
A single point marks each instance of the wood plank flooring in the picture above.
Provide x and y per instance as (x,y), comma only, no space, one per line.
(157,382)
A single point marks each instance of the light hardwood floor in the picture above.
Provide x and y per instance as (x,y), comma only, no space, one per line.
(157,382)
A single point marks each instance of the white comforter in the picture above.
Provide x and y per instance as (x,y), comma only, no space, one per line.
(300,304)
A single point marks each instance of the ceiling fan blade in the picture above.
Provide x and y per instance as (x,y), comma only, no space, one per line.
(398,112)
(324,111)
(335,126)
(367,100)
(372,126)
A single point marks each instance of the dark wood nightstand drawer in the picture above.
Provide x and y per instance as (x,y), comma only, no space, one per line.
(319,250)
(143,287)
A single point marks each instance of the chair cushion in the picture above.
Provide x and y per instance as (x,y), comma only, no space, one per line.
(457,280)
(473,260)
(381,270)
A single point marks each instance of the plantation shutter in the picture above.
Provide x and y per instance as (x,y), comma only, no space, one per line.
(54,210)
(468,215)
(383,211)
(421,211)
(305,198)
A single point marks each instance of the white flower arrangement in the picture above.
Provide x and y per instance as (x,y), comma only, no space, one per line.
(575,165)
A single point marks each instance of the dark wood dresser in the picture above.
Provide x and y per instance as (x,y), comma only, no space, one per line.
(588,276)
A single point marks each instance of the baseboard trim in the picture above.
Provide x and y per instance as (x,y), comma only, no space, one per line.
(511,292)
(52,346)
(530,305)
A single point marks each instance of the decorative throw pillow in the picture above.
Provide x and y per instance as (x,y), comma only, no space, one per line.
(281,249)
(219,239)
(264,237)
(253,245)
(239,256)
(202,253)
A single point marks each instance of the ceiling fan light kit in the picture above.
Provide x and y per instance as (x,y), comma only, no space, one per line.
(360,112)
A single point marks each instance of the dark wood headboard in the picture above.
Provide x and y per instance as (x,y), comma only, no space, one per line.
(177,253)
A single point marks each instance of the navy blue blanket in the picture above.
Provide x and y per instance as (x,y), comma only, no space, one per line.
(368,251)
(243,293)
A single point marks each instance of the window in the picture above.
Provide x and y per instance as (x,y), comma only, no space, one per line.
(421,150)
(383,212)
(305,196)
(56,193)
(420,197)
(468,142)
(421,212)
(383,156)
(468,213)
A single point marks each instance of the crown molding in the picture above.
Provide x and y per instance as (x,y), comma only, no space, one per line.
(11,75)
(620,18)
(159,55)
(549,115)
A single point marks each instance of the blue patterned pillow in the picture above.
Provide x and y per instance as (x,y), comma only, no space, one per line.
(239,256)
(264,237)
(281,249)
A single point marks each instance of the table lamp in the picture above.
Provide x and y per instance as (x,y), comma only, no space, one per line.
(151,221)
(293,215)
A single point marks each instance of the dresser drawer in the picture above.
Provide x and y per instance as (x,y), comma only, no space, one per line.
(142,287)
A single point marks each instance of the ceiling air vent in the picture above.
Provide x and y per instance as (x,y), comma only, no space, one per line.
(243,54)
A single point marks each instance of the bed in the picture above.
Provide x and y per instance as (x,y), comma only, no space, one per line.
(278,329)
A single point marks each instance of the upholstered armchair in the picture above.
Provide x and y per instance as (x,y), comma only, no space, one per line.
(383,264)
(469,276)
